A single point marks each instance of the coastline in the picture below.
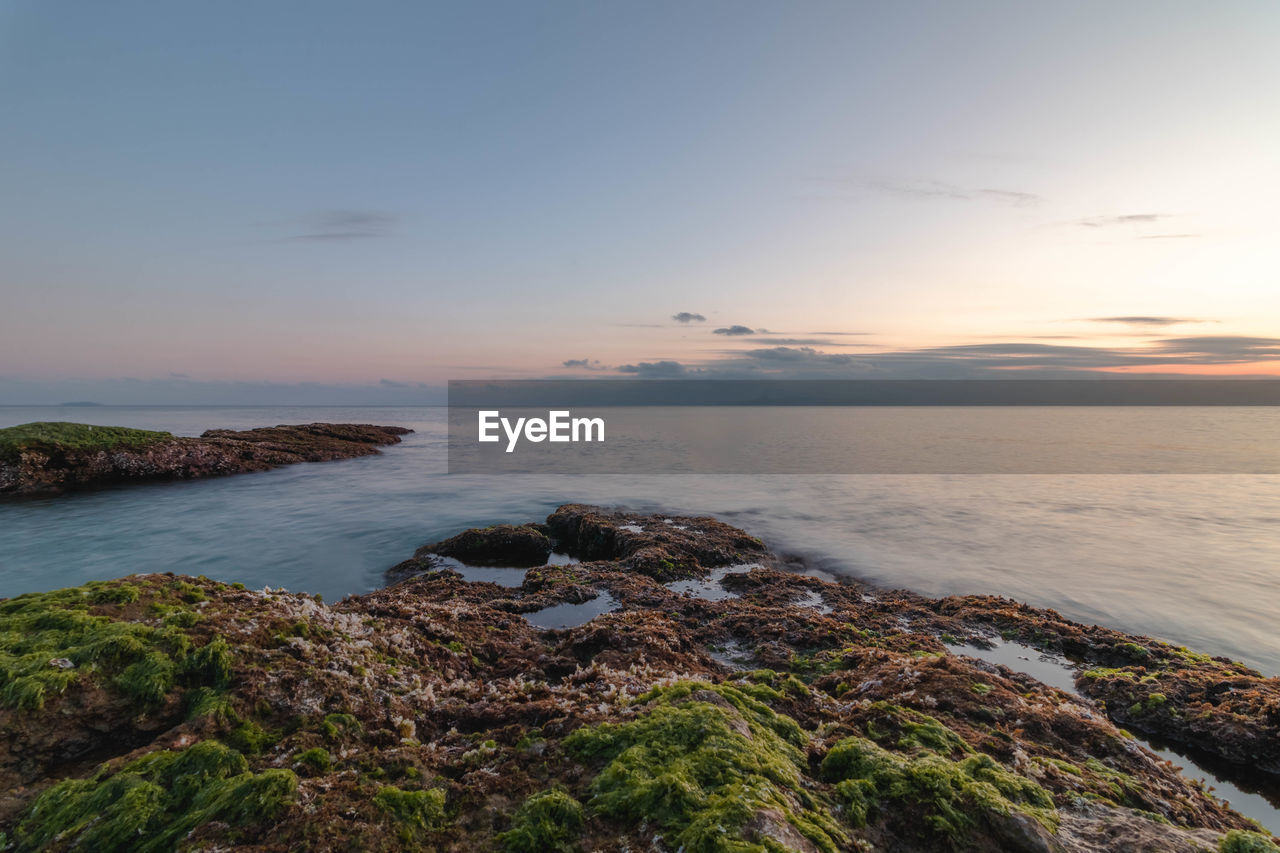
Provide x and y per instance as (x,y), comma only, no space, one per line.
(817,686)
(52,458)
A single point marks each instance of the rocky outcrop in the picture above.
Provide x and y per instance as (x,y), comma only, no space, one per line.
(1207,704)
(51,466)
(742,707)
(499,545)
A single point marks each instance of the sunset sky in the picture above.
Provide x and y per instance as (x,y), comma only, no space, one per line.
(374,198)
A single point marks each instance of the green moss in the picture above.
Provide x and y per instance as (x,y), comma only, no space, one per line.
(152,803)
(1104,672)
(1187,656)
(211,664)
(908,729)
(334,725)
(1064,766)
(251,738)
(316,759)
(700,763)
(1115,785)
(50,640)
(782,682)
(1240,841)
(149,679)
(207,702)
(54,436)
(548,821)
(188,592)
(756,712)
(956,796)
(121,594)
(1133,651)
(413,811)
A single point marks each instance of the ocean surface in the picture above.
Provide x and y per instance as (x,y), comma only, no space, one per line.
(1190,558)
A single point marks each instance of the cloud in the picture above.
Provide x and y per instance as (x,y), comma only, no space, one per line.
(583,364)
(1168,236)
(656,369)
(688,317)
(1222,349)
(340,225)
(998,359)
(735,331)
(1125,219)
(798,354)
(1141,320)
(929,190)
(814,342)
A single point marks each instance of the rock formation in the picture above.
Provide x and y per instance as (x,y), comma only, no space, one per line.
(49,458)
(725,703)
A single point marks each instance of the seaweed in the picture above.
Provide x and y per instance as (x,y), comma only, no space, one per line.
(702,762)
(152,802)
(413,811)
(956,796)
(547,821)
(1242,841)
(53,436)
(50,640)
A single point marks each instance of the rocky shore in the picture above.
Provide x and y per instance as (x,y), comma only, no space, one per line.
(49,458)
(693,692)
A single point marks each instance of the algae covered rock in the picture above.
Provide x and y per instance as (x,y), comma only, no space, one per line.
(770,712)
(499,545)
(55,457)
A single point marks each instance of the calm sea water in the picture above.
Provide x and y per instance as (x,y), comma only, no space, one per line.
(1192,558)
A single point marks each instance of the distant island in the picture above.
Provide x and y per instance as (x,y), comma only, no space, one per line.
(675,688)
(51,457)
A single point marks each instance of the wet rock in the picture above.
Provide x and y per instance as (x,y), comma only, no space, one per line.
(663,547)
(499,545)
(50,467)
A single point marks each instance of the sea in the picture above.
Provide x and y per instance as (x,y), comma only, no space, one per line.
(1192,558)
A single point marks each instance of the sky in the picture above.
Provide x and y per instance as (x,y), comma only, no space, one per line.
(342,202)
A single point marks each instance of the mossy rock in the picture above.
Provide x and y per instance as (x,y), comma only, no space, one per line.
(50,640)
(499,545)
(954,798)
(1241,841)
(413,812)
(547,822)
(64,436)
(704,764)
(153,802)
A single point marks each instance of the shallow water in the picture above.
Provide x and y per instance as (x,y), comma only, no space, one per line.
(572,615)
(1188,558)
(1258,798)
(710,588)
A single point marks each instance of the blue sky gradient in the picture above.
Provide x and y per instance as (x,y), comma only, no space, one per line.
(340,193)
